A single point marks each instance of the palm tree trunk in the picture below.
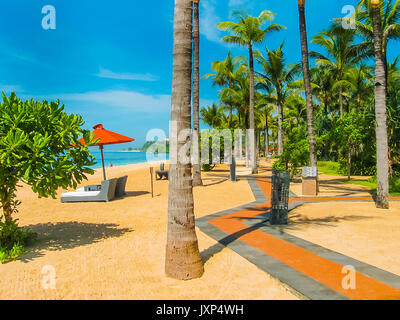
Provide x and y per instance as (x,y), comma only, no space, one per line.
(266,140)
(340,102)
(382,161)
(349,164)
(247,148)
(230,107)
(196,97)
(253,155)
(280,133)
(307,83)
(182,259)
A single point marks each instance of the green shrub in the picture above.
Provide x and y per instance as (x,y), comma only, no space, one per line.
(13,239)
(206,167)
(394,184)
(279,165)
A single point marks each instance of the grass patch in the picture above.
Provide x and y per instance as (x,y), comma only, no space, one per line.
(371,184)
(329,167)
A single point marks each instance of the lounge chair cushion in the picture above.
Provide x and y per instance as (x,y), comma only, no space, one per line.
(106,193)
(81,194)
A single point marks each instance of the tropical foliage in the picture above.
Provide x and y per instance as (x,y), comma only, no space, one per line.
(345,112)
(38,147)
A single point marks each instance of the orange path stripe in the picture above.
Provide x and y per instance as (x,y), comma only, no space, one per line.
(318,268)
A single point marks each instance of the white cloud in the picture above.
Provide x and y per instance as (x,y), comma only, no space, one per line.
(104,73)
(10,88)
(235,3)
(132,100)
(116,99)
(208,21)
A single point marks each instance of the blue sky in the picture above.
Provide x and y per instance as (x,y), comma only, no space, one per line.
(111,61)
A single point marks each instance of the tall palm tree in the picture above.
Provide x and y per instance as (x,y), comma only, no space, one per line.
(382,161)
(276,74)
(196,97)
(182,259)
(246,32)
(307,82)
(342,53)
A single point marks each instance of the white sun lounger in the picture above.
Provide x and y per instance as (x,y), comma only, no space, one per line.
(106,193)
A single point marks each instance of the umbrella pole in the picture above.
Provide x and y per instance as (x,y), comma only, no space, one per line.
(102,161)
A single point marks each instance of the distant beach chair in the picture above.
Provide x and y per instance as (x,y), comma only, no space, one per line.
(119,189)
(106,193)
(162,173)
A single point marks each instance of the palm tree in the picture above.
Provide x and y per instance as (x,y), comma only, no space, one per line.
(277,75)
(358,80)
(238,95)
(390,15)
(246,32)
(196,97)
(342,53)
(382,161)
(225,76)
(265,110)
(322,82)
(296,110)
(182,259)
(212,116)
(307,82)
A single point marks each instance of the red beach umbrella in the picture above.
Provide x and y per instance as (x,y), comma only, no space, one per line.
(106,137)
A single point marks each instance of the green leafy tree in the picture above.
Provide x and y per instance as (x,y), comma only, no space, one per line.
(296,151)
(350,135)
(39,146)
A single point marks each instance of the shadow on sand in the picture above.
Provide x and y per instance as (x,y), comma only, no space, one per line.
(68,235)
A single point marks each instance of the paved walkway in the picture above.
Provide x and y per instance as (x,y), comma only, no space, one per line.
(311,270)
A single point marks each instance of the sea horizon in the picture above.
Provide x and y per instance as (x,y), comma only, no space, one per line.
(120,158)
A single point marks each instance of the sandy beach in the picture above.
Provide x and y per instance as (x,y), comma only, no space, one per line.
(115,250)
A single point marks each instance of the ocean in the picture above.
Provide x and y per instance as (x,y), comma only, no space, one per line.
(123,158)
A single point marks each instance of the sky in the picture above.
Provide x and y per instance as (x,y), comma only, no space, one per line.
(111,61)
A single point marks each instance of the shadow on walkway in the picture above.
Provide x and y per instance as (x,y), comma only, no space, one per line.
(221,244)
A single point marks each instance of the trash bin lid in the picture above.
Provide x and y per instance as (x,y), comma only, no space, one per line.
(309,172)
